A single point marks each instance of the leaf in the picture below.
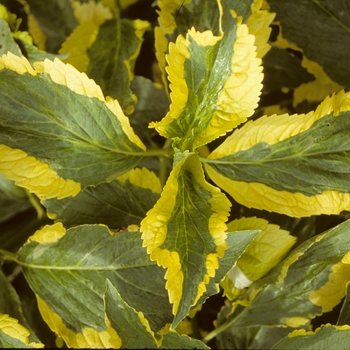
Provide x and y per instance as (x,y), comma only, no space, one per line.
(283,70)
(325,337)
(7,42)
(344,316)
(14,335)
(310,281)
(268,248)
(152,104)
(251,338)
(56,21)
(109,50)
(30,51)
(322,38)
(185,233)
(73,137)
(13,199)
(203,67)
(295,165)
(175,17)
(10,305)
(237,242)
(133,328)
(119,203)
(117,65)
(67,272)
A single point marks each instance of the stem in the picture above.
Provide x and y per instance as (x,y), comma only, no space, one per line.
(159,152)
(5,255)
(218,330)
(36,204)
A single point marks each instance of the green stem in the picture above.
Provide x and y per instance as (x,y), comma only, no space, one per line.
(34,200)
(5,255)
(218,330)
(159,152)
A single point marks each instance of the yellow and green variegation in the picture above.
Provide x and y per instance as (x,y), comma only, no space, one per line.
(215,81)
(296,299)
(71,129)
(185,233)
(295,165)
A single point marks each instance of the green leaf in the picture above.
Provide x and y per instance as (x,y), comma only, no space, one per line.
(56,21)
(237,243)
(326,337)
(152,105)
(10,305)
(113,70)
(67,272)
(296,165)
(283,70)
(133,328)
(251,338)
(73,137)
(108,50)
(7,41)
(310,281)
(203,67)
(323,38)
(185,233)
(13,199)
(175,17)
(268,248)
(344,316)
(116,204)
(31,52)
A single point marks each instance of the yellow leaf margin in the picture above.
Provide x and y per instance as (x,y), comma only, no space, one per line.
(88,338)
(272,130)
(12,328)
(154,231)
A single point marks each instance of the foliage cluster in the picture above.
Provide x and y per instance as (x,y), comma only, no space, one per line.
(134,188)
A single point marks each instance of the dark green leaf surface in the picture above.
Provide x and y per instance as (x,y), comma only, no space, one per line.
(327,337)
(289,288)
(69,275)
(13,199)
(185,233)
(237,243)
(10,304)
(283,70)
(8,342)
(33,54)
(311,162)
(56,21)
(321,28)
(7,43)
(252,337)
(114,204)
(112,59)
(152,105)
(126,321)
(132,328)
(78,136)
(344,316)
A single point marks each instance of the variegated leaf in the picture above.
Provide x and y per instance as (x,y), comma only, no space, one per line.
(59,134)
(215,82)
(67,272)
(296,165)
(185,233)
